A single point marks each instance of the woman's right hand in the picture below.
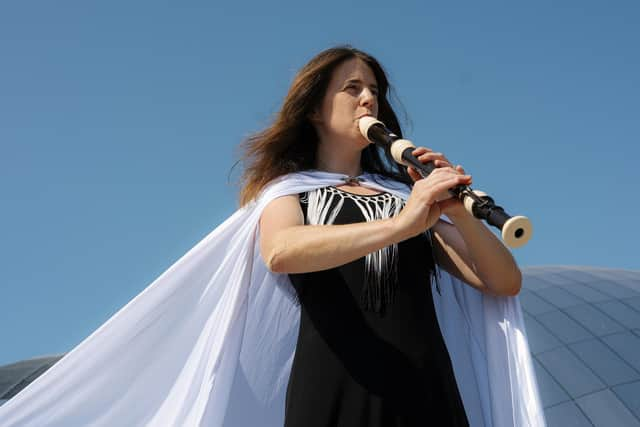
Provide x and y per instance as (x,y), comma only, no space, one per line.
(422,209)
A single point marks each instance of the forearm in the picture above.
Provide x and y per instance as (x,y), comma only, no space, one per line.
(491,261)
(306,248)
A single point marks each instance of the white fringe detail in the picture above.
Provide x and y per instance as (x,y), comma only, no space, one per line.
(381,265)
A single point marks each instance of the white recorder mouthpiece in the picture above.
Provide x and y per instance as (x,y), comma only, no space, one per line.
(365,123)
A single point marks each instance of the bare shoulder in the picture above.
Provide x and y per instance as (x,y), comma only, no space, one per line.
(283,210)
(281,213)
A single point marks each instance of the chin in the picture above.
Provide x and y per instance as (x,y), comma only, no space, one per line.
(364,143)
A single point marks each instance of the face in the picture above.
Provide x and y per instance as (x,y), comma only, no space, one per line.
(351,94)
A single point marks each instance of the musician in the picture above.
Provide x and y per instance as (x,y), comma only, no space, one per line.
(363,262)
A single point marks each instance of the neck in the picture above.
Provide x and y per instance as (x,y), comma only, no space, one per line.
(341,167)
(330,159)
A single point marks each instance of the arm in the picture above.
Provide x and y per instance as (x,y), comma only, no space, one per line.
(468,249)
(472,253)
(289,246)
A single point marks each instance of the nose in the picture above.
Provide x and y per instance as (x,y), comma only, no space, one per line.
(367,98)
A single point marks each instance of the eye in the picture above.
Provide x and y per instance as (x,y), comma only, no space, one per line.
(351,87)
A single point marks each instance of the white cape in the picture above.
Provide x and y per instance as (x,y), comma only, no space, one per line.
(210,343)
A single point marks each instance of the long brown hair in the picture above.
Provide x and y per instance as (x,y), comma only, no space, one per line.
(290,143)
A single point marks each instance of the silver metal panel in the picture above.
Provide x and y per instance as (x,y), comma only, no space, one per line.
(574,376)
(564,327)
(566,415)
(587,293)
(629,394)
(594,320)
(551,393)
(533,304)
(559,297)
(627,346)
(606,364)
(540,339)
(621,313)
(604,409)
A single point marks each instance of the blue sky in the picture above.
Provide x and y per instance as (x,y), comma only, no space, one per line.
(120,122)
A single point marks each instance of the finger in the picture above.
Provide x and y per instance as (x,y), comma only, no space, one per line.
(436,184)
(421,150)
(437,158)
(441,186)
(443,167)
(415,176)
(429,156)
(448,163)
(442,164)
(435,155)
(458,170)
(450,179)
(440,189)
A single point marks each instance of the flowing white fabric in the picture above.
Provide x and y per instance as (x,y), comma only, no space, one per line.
(210,343)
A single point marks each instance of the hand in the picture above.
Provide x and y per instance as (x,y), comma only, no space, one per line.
(430,197)
(449,205)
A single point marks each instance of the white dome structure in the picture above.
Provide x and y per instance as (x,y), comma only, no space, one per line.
(16,376)
(583,325)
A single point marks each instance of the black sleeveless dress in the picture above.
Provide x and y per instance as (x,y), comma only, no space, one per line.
(370,355)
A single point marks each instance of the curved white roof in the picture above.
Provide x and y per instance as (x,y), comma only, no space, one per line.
(584,331)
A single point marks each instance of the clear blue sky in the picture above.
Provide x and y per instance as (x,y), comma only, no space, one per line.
(120,121)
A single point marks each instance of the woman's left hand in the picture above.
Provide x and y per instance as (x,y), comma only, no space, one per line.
(450,205)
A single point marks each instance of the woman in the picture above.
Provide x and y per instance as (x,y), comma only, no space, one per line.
(211,340)
(369,352)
